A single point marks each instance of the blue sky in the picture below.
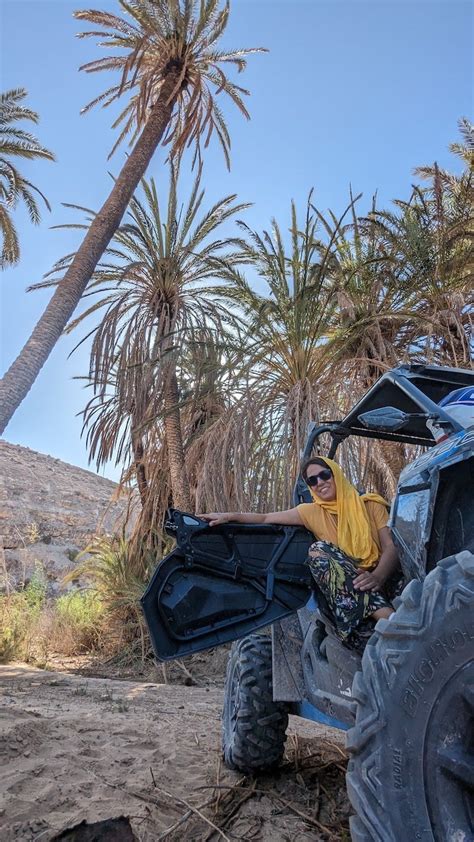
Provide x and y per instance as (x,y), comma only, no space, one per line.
(352,92)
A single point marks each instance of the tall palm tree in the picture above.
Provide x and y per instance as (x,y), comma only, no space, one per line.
(371,309)
(369,332)
(169,63)
(14,188)
(281,386)
(156,293)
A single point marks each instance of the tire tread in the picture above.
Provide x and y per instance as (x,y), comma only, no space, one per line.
(419,607)
(257,740)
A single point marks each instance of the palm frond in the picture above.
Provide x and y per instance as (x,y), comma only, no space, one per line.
(15,143)
(161,39)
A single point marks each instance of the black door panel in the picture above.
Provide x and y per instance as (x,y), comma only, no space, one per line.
(220,583)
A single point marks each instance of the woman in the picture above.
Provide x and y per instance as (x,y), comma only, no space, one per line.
(354,555)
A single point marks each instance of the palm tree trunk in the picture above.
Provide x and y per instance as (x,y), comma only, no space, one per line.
(174,441)
(21,375)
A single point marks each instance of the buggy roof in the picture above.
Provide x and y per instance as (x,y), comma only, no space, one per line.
(412,389)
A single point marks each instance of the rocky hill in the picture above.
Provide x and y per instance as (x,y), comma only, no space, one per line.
(49,511)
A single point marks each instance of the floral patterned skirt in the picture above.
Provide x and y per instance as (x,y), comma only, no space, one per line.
(350,609)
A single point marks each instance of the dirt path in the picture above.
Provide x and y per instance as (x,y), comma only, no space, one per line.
(74,748)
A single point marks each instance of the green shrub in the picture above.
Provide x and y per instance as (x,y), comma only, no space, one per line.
(11,626)
(19,615)
(77,622)
(83,608)
(106,564)
(106,615)
(32,626)
(35,591)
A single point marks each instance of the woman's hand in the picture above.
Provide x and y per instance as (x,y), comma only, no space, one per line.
(374,580)
(215,518)
(369,580)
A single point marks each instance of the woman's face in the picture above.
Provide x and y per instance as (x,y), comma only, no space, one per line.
(325,488)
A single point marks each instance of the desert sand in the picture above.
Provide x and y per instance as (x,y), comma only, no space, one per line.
(75,748)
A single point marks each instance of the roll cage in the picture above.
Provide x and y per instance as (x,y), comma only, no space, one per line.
(413,389)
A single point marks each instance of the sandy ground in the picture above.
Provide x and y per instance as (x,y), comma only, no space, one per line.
(74,748)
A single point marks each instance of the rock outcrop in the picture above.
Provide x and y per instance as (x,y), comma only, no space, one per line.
(49,511)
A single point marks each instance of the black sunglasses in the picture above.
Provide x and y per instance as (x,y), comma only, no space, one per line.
(323,475)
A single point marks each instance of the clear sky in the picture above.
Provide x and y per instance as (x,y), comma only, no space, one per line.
(352,91)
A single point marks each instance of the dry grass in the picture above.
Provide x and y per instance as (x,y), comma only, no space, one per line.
(34,626)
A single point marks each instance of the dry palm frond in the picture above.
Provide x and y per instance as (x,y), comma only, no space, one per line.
(199,412)
(158,38)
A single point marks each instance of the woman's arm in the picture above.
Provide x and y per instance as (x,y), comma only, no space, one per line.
(290,517)
(373,580)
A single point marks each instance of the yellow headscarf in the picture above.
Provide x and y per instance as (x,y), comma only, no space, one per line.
(354,536)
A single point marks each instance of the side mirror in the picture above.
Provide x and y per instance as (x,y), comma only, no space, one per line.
(176,520)
(387,418)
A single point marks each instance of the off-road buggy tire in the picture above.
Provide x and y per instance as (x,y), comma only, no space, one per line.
(253,725)
(411,772)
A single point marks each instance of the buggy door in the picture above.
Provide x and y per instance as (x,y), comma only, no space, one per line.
(220,583)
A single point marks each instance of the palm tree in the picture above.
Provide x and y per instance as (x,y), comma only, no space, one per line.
(431,238)
(156,292)
(369,331)
(281,385)
(206,383)
(372,303)
(404,276)
(16,143)
(169,63)
(211,384)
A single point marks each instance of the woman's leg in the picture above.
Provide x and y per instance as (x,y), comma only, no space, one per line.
(334,573)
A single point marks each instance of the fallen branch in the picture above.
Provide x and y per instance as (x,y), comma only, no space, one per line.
(234,810)
(308,819)
(273,794)
(184,818)
(195,810)
(187,672)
